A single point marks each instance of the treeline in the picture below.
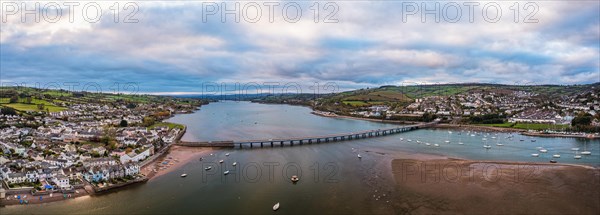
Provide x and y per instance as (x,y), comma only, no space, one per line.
(487,119)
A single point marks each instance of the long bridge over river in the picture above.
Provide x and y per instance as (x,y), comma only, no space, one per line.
(307,140)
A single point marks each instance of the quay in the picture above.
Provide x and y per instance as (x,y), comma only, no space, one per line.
(307,140)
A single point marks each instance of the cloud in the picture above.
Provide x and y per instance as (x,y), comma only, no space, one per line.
(171,49)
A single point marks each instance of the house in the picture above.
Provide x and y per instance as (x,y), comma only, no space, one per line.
(62,182)
(135,157)
(17,177)
(99,162)
(131,169)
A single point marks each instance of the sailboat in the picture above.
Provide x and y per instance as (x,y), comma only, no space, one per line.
(577,156)
(448,138)
(497,143)
(276,206)
(359,157)
(556,155)
(535,155)
(585,151)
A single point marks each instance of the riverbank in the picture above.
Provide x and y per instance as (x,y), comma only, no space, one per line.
(472,187)
(175,158)
(35,199)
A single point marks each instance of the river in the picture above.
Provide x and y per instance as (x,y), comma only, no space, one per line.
(332,179)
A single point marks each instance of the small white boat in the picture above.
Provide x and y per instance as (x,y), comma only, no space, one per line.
(460,143)
(295,178)
(183,175)
(574,149)
(208,168)
(543,150)
(487,146)
(234,163)
(359,156)
(499,144)
(556,156)
(226,172)
(436,145)
(427,144)
(276,206)
(577,156)
(447,141)
(221,161)
(226,154)
(535,155)
(586,153)
(409,140)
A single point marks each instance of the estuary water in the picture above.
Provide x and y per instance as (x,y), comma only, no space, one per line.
(333,180)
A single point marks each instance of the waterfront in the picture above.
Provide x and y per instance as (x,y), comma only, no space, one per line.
(333,179)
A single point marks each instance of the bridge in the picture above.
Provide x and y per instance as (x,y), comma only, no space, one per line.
(307,140)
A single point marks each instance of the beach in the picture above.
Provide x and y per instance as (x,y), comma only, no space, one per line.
(453,186)
(176,157)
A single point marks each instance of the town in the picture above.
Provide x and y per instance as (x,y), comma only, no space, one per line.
(87,139)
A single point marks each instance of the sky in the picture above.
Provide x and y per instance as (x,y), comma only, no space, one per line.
(184,47)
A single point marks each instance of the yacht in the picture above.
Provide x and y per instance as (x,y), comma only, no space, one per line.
(226,154)
(436,145)
(208,168)
(535,155)
(234,163)
(487,146)
(427,144)
(183,175)
(556,155)
(585,151)
(226,172)
(221,161)
(543,150)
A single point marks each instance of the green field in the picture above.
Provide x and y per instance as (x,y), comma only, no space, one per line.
(531,126)
(34,107)
(168,124)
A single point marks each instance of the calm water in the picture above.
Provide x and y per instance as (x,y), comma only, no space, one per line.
(333,179)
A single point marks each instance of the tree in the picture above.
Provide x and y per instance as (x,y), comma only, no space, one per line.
(8,111)
(123,123)
(148,121)
(583,119)
(13,99)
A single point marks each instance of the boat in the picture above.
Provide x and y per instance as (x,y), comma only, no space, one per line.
(295,178)
(577,156)
(200,159)
(436,145)
(226,154)
(208,168)
(535,155)
(487,146)
(460,143)
(553,161)
(183,175)
(226,172)
(585,151)
(234,163)
(359,156)
(499,144)
(556,156)
(533,140)
(221,161)
(447,141)
(276,206)
(543,150)
(574,149)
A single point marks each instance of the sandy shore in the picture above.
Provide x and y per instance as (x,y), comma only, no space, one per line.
(452,186)
(176,157)
(45,198)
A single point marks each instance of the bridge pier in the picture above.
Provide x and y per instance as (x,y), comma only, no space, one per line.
(250,144)
(309,141)
(281,143)
(271,143)
(300,142)
(261,144)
